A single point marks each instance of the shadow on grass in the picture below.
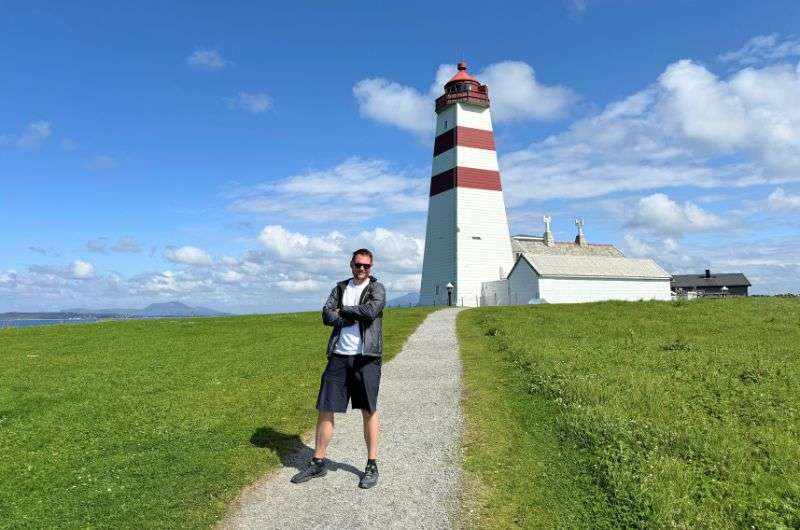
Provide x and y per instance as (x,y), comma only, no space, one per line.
(292,451)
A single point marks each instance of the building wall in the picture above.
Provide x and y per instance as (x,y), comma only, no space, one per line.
(736,290)
(495,293)
(572,290)
(439,262)
(523,284)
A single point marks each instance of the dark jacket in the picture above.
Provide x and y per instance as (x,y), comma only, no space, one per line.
(368,313)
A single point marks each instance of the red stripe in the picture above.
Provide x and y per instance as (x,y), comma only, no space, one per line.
(465,177)
(465,137)
(444,142)
(469,137)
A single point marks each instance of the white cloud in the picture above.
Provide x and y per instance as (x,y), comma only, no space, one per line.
(99,245)
(690,128)
(285,244)
(764,48)
(517,95)
(188,255)
(393,251)
(81,269)
(660,214)
(302,264)
(127,245)
(254,103)
(576,6)
(230,276)
(513,88)
(325,258)
(102,163)
(355,189)
(780,200)
(34,135)
(772,267)
(391,103)
(210,60)
(293,286)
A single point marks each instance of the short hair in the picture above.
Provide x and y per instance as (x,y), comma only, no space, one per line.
(361,252)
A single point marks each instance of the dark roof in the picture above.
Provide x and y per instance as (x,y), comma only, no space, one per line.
(698,281)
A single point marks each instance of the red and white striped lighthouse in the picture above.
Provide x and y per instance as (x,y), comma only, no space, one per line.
(467,240)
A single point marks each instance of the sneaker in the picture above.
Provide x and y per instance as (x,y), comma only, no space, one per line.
(313,470)
(370,477)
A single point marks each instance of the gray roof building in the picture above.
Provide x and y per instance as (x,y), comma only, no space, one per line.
(570,266)
(524,244)
(709,281)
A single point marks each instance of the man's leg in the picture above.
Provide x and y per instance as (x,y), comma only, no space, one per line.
(324,434)
(317,467)
(371,431)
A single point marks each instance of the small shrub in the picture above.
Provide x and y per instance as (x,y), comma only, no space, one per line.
(677,345)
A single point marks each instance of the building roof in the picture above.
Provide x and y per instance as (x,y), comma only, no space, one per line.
(593,267)
(536,245)
(698,281)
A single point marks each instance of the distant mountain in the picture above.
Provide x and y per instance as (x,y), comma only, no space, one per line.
(410,299)
(163,309)
(178,309)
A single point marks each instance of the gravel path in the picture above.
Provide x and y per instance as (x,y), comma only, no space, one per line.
(421,424)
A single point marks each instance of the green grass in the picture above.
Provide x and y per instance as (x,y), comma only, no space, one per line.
(155,424)
(633,415)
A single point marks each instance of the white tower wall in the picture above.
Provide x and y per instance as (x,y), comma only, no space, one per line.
(439,263)
(482,215)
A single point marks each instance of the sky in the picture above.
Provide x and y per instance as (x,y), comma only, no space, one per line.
(232,155)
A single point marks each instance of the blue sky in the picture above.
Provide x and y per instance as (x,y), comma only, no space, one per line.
(232,155)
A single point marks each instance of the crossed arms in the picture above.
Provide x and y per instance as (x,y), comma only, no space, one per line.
(347,315)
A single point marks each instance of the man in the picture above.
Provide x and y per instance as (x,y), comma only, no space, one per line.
(354,309)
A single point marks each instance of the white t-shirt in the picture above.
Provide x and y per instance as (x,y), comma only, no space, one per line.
(350,337)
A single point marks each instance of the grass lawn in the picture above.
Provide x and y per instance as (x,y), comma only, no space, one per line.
(633,415)
(155,424)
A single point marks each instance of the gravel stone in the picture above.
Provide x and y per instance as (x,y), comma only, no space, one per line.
(418,456)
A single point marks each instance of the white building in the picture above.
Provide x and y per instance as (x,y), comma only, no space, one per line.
(469,257)
(569,272)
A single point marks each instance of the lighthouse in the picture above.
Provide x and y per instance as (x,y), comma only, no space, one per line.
(466,240)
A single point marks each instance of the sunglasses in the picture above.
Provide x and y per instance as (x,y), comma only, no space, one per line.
(365,266)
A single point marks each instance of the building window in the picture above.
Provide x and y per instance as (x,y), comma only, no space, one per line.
(437,290)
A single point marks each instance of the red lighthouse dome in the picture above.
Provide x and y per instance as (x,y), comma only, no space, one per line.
(464,88)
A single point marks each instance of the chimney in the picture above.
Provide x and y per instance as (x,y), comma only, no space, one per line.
(708,273)
(580,239)
(548,234)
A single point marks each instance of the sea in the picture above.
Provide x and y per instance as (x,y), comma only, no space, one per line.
(24,323)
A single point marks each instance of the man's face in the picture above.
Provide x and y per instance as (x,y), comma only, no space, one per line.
(361,266)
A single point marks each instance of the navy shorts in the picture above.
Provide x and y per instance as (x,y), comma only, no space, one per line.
(350,377)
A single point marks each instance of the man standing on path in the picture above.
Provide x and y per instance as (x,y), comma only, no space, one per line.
(354,309)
